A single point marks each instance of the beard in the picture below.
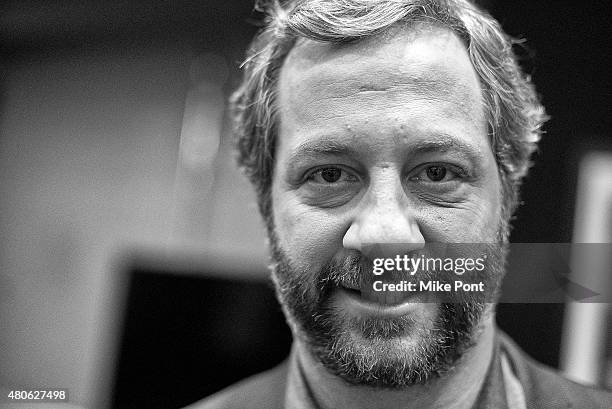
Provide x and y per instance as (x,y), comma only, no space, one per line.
(389,352)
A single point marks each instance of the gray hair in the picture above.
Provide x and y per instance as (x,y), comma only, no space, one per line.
(512,107)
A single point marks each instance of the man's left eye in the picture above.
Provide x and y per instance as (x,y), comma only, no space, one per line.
(436,174)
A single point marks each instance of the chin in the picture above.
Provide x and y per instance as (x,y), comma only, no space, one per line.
(394,352)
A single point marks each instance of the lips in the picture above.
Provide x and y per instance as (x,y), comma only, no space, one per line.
(355,304)
(384,298)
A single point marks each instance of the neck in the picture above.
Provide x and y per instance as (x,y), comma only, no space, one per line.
(457,389)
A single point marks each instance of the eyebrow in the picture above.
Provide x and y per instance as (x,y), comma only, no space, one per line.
(443,143)
(434,142)
(321,147)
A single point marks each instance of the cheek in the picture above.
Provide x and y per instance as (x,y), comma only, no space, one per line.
(310,237)
(476,220)
(468,224)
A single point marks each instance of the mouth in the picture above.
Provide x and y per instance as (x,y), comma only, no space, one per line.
(383,303)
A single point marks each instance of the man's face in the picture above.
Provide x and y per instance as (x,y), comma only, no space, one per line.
(380,141)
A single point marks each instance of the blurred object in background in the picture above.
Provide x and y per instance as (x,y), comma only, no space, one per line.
(587,333)
(87,157)
(214,205)
(92,102)
(200,139)
(192,327)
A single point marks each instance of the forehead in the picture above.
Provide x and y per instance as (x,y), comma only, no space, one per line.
(415,77)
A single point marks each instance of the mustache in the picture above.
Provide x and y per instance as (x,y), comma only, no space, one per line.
(346,271)
(355,270)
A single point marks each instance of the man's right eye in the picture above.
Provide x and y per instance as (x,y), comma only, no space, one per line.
(331,175)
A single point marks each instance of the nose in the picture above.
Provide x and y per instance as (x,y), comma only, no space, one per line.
(385,222)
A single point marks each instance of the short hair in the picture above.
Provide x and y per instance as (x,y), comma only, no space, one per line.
(512,108)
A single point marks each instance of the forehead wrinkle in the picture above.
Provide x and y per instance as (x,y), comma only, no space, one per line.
(416,61)
(347,80)
(345,89)
(334,88)
(323,104)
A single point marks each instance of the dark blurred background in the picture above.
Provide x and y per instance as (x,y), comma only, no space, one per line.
(124,219)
